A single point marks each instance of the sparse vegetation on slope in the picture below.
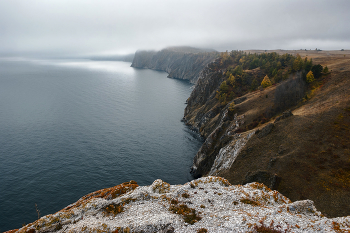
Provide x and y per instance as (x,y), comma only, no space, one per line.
(305,155)
(246,72)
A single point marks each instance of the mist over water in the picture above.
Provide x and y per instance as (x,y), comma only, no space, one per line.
(69,128)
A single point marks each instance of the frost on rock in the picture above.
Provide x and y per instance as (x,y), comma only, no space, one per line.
(228,154)
(210,202)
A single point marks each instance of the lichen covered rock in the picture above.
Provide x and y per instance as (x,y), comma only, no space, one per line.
(209,203)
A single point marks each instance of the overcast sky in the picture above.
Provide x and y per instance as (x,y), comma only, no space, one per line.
(69,27)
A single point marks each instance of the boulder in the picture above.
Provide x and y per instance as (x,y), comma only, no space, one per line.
(264,131)
(284,115)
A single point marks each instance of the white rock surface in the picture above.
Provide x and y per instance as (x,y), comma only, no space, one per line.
(228,154)
(221,207)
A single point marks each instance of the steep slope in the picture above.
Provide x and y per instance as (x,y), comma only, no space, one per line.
(209,204)
(179,62)
(304,154)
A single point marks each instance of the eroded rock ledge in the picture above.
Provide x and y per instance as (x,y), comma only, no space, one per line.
(208,204)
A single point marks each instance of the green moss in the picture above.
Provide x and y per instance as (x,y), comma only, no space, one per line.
(58,227)
(30,231)
(202,230)
(174,201)
(266,229)
(189,215)
(185,195)
(250,202)
(113,209)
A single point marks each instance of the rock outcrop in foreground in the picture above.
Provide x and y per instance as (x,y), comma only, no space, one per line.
(208,204)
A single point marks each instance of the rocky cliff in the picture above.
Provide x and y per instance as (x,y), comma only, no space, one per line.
(179,62)
(303,152)
(296,155)
(209,204)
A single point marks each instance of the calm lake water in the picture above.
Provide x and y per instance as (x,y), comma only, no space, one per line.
(68,128)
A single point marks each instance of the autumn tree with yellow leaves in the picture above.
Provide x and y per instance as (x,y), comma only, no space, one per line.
(266,82)
(310,77)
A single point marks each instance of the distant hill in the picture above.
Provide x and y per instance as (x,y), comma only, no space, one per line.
(179,62)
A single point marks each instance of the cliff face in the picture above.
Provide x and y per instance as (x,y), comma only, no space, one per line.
(303,153)
(249,143)
(209,204)
(179,62)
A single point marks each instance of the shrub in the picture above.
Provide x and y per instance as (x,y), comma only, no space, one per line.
(325,70)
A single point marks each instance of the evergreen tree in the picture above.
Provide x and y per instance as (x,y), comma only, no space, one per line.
(238,70)
(298,63)
(254,85)
(307,64)
(317,71)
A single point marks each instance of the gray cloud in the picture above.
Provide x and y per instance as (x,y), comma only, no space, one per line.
(83,27)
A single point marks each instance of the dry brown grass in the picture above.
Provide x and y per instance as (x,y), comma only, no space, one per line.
(315,162)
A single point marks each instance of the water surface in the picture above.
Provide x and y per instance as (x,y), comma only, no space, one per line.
(69,128)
